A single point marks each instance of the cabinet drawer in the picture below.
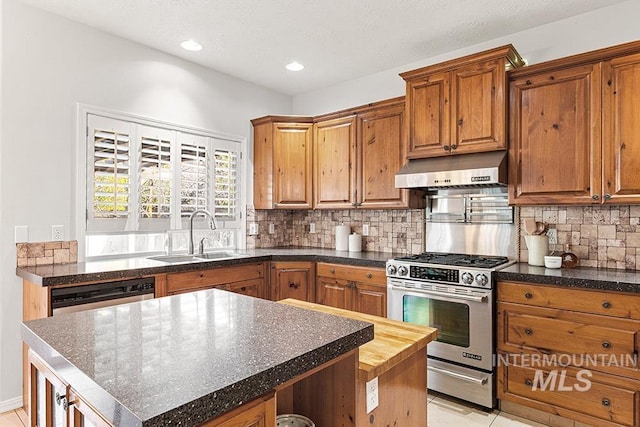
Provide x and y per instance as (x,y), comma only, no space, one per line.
(351,273)
(203,279)
(583,394)
(583,334)
(607,303)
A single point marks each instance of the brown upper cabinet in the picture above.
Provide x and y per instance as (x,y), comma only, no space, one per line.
(282,156)
(355,156)
(357,153)
(575,134)
(459,106)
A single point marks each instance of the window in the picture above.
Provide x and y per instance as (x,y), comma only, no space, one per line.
(146,178)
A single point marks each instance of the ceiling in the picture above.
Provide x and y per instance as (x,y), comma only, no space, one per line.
(336,40)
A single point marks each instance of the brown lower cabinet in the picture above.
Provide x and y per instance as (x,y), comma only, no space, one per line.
(247,279)
(570,352)
(292,280)
(362,289)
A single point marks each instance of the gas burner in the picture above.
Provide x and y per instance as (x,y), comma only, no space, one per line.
(458,260)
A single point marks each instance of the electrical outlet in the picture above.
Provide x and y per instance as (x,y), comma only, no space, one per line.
(57,232)
(312,227)
(372,394)
(552,234)
(253,228)
(272,228)
(365,229)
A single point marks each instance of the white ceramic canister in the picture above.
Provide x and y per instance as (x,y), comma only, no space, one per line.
(342,237)
(355,242)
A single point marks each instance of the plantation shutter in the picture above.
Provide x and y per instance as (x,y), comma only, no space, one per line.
(194,173)
(155,178)
(226,176)
(108,173)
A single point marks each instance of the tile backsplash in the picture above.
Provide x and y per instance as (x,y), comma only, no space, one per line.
(43,253)
(398,231)
(601,236)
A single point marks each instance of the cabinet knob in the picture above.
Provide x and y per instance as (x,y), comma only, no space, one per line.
(528,295)
(332,271)
(607,196)
(244,288)
(351,285)
(606,304)
(294,285)
(528,331)
(595,197)
(528,382)
(606,402)
(460,121)
(606,344)
(369,275)
(454,147)
(446,148)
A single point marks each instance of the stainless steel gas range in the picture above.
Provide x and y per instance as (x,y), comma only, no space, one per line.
(453,293)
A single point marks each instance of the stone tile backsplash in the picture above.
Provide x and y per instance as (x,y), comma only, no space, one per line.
(398,231)
(43,253)
(601,236)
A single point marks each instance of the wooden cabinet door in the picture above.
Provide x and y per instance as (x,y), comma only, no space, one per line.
(621,130)
(370,299)
(427,101)
(260,412)
(478,108)
(334,152)
(555,137)
(381,153)
(334,292)
(292,167)
(48,395)
(81,414)
(292,280)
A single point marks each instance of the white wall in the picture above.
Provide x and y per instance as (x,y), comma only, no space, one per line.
(594,30)
(49,65)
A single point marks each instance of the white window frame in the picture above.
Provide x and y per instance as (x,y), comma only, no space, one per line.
(81,183)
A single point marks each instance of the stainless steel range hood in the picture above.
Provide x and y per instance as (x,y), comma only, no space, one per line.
(464,170)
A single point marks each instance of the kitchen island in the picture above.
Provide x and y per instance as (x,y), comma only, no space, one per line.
(187,359)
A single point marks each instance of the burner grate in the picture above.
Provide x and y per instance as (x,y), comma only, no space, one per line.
(458,260)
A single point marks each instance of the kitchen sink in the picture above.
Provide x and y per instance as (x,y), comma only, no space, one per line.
(173,258)
(216,255)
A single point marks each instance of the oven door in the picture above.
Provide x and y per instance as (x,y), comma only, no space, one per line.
(463,317)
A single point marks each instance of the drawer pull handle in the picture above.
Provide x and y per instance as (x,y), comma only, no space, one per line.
(528,382)
(294,285)
(528,331)
(606,304)
(244,288)
(606,344)
(369,275)
(528,295)
(606,402)
(332,271)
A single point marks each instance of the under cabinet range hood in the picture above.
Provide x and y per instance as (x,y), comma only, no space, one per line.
(463,170)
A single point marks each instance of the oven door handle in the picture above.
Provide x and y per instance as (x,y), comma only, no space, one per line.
(474,298)
(479,381)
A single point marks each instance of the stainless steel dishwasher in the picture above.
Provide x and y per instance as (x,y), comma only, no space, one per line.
(86,297)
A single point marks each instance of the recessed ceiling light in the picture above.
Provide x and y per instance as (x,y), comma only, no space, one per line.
(294,66)
(191,45)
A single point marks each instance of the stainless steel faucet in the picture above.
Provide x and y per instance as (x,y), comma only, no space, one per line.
(212,226)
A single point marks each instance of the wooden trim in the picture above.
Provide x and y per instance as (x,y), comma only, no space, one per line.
(285,119)
(581,58)
(361,109)
(508,52)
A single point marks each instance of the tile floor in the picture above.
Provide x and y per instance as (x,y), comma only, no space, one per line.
(443,412)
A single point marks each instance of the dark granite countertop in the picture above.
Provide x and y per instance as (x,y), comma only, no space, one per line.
(581,277)
(59,274)
(184,359)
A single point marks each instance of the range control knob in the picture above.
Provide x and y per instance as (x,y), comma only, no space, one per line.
(467,278)
(482,280)
(391,270)
(402,270)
